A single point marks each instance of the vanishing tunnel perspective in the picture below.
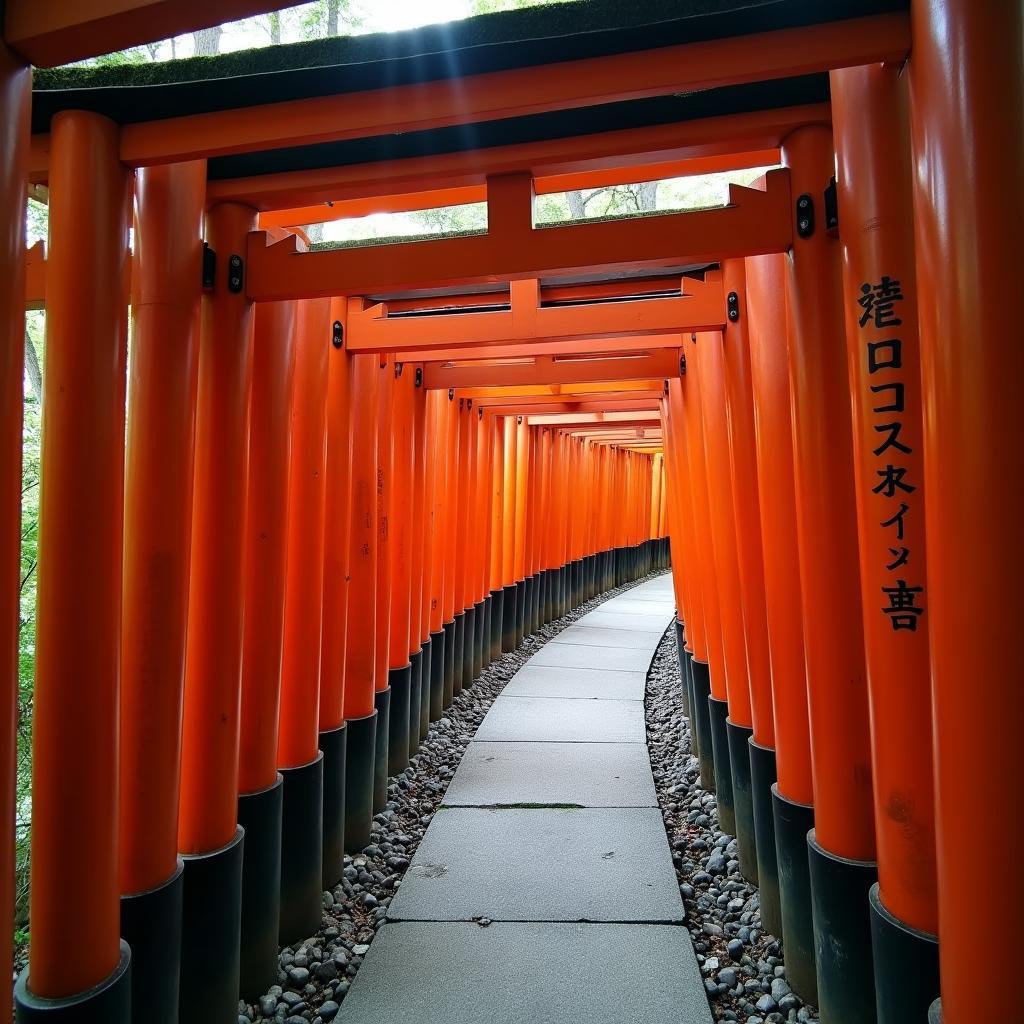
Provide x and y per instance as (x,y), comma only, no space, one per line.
(510,509)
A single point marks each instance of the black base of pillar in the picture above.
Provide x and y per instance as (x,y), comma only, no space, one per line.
(459,660)
(742,798)
(448,693)
(359,767)
(520,611)
(535,604)
(109,1002)
(426,686)
(508,619)
(545,596)
(701,675)
(792,823)
(529,587)
(906,966)
(436,702)
(382,704)
(211,921)
(332,744)
(479,631)
(497,623)
(151,925)
(415,692)
(469,650)
(762,778)
(302,851)
(718,714)
(682,658)
(487,639)
(687,668)
(261,817)
(842,935)
(399,683)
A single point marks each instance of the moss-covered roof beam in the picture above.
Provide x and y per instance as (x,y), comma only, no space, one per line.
(51,32)
(508,94)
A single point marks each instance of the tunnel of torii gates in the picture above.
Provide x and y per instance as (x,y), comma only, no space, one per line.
(349,477)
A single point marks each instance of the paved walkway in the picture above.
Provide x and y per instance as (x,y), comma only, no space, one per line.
(543,890)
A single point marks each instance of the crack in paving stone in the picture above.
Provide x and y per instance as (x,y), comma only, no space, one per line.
(742,966)
(314,976)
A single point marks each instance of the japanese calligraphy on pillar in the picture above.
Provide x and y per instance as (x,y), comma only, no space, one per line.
(902,600)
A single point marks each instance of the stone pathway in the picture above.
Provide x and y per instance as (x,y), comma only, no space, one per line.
(544,890)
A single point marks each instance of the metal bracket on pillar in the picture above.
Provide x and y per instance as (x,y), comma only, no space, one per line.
(805,216)
(419,376)
(682,371)
(337,334)
(209,267)
(832,208)
(398,370)
(236,273)
(732,303)
(451,394)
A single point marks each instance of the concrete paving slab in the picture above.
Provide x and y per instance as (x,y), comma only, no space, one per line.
(458,973)
(624,620)
(563,720)
(633,606)
(606,636)
(578,683)
(587,864)
(609,659)
(584,774)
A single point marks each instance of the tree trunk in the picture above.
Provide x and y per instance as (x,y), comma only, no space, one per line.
(647,195)
(35,377)
(577,205)
(207,41)
(333,10)
(275,27)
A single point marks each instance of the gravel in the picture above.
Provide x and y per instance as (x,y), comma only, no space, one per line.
(742,966)
(314,976)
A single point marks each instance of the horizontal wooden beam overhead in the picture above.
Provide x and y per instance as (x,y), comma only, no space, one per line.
(450,176)
(700,308)
(51,32)
(642,343)
(754,222)
(552,370)
(503,94)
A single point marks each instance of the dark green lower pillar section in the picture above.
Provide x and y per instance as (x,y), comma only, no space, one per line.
(302,851)
(469,648)
(332,744)
(211,920)
(450,652)
(260,815)
(479,628)
(359,767)
(459,659)
(701,675)
(151,925)
(529,590)
(382,704)
(792,823)
(687,668)
(399,683)
(488,631)
(535,622)
(426,677)
(436,702)
(520,611)
(683,659)
(842,935)
(508,619)
(762,778)
(906,966)
(415,691)
(564,592)
(719,714)
(935,1012)
(742,798)
(497,622)
(110,1002)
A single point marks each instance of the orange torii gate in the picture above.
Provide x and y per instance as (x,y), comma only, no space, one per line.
(831,635)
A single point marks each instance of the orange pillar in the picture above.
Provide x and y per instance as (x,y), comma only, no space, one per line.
(333,739)
(298,752)
(78,610)
(361,627)
(157,532)
(15,104)
(481,520)
(875,207)
(419,693)
(459,498)
(508,540)
(266,526)
(399,665)
(793,795)
(208,835)
(842,846)
(495,550)
(447,515)
(967,147)
(437,480)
